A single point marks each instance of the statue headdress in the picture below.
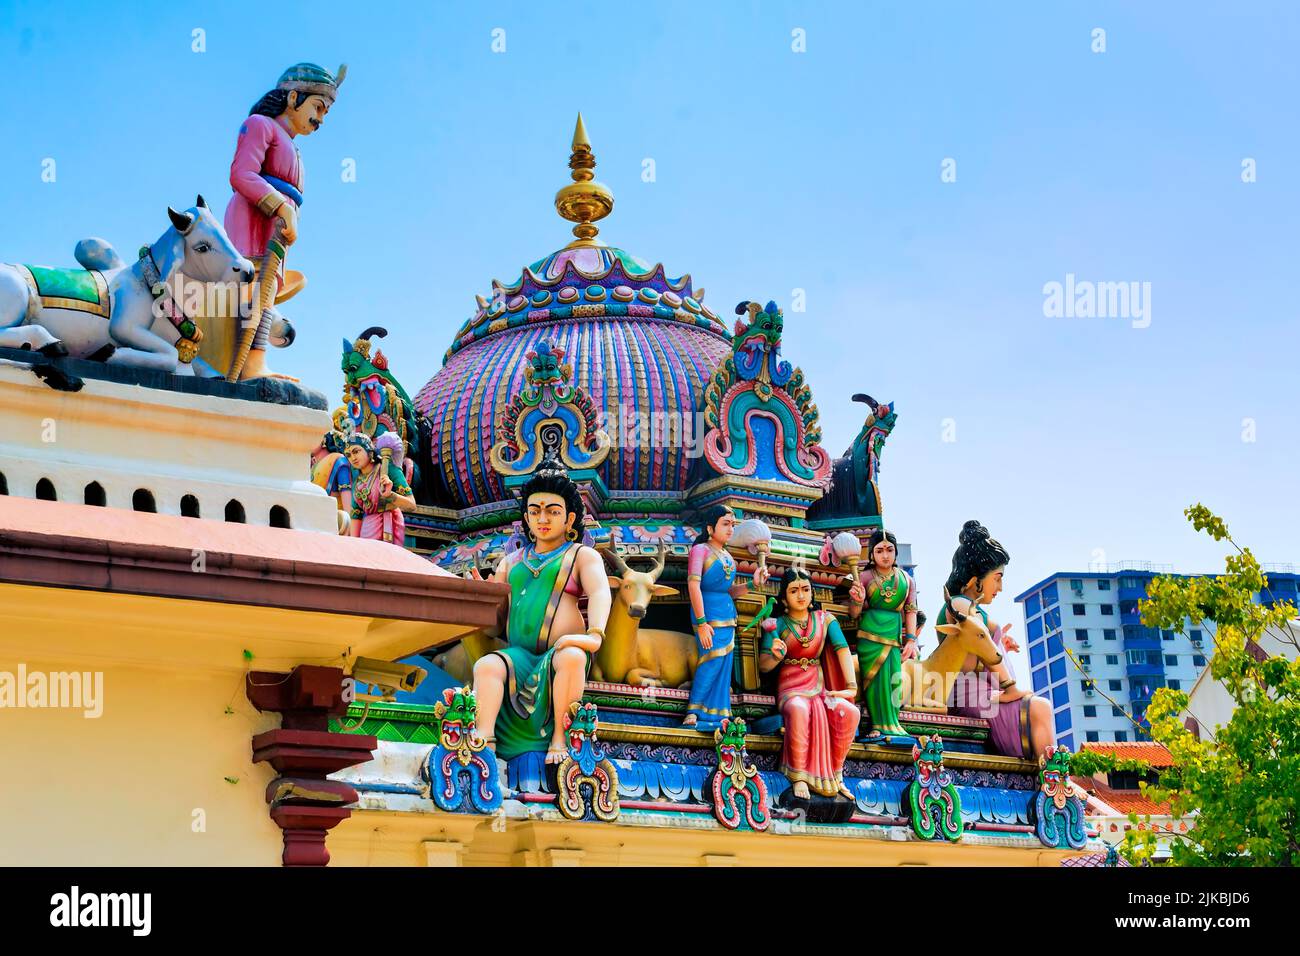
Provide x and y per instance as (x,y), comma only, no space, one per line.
(312,79)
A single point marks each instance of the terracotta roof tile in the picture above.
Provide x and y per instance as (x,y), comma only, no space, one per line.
(1157,755)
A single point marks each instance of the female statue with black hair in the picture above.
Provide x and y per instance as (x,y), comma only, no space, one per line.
(885,597)
(710,583)
(815,687)
(1020,724)
(549,648)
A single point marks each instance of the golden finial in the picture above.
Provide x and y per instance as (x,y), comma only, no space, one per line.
(585,201)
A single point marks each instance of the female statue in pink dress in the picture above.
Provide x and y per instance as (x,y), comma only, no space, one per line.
(815,688)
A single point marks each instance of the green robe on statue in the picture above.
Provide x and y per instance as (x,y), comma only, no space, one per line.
(526,722)
(880,634)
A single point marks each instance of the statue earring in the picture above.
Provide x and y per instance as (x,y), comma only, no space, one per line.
(572,534)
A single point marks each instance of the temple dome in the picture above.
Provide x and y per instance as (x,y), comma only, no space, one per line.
(638,341)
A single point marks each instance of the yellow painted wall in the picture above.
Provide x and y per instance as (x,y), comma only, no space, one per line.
(122,789)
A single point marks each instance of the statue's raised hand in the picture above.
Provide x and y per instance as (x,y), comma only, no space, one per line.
(779,649)
(857,593)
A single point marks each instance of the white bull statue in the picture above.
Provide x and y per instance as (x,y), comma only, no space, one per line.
(107,309)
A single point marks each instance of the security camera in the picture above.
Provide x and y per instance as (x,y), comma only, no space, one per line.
(385,678)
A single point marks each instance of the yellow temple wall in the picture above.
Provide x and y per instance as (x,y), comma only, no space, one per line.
(123,788)
(142,784)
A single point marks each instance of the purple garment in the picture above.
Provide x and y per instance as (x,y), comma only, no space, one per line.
(1008,723)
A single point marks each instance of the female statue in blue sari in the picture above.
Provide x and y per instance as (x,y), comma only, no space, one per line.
(711,584)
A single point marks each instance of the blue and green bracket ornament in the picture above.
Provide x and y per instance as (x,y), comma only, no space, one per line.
(1058,809)
(759,411)
(586,782)
(461,771)
(738,792)
(933,800)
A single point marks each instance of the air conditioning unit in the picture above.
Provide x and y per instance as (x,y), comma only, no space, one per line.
(1085,643)
(1089,693)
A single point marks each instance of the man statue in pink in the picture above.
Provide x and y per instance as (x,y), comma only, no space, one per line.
(267,176)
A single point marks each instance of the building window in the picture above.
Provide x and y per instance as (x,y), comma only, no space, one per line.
(279,516)
(142,500)
(189,506)
(1092,736)
(1090,710)
(1080,633)
(1085,659)
(4,484)
(1040,678)
(94,495)
(1057,669)
(1049,595)
(1108,609)
(1078,609)
(1171,660)
(1103,585)
(1108,633)
(1036,654)
(1195,635)
(1116,685)
(1166,635)
(234,512)
(1054,645)
(1033,604)
(1035,629)
(1198,660)
(45,490)
(1060,695)
(1117,711)
(1062,721)
(1175,685)
(1112,659)
(1121,736)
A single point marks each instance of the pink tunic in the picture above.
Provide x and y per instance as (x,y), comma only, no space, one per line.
(264,146)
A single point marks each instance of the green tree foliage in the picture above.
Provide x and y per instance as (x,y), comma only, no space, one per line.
(1239,791)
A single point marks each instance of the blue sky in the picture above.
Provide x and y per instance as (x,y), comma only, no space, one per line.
(777,170)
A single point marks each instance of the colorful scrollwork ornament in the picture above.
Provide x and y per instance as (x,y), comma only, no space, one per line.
(934,802)
(1058,808)
(738,792)
(587,782)
(461,771)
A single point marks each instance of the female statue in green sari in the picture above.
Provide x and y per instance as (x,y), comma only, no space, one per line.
(525,688)
(885,597)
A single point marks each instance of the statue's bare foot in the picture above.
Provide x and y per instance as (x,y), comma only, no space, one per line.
(845,792)
(690,721)
(800,790)
(556,752)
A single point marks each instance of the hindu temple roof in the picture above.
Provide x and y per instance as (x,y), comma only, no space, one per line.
(638,341)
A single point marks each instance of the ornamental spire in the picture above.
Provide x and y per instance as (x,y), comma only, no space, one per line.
(585,201)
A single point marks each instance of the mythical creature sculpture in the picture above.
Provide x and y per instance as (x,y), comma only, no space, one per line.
(375,404)
(587,781)
(759,411)
(550,418)
(1058,808)
(117,313)
(460,769)
(737,790)
(933,800)
(631,654)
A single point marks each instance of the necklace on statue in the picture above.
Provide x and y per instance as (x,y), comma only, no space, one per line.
(889,585)
(537,569)
(803,630)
